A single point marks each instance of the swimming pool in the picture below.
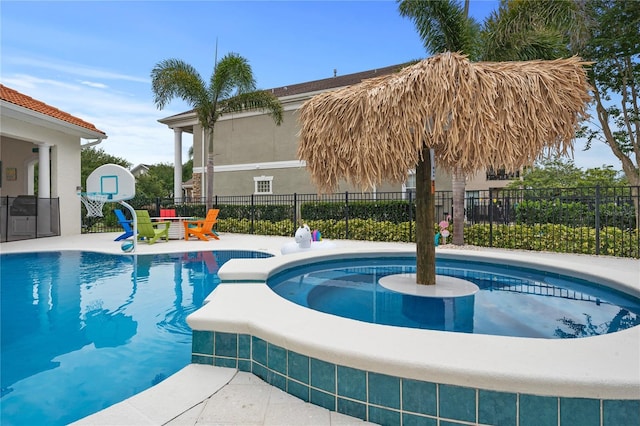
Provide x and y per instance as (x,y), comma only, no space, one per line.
(512,301)
(81,331)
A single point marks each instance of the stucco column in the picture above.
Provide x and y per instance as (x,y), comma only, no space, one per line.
(44,171)
(177,165)
(44,190)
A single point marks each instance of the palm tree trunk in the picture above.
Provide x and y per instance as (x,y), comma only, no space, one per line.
(425,219)
(458,189)
(209,134)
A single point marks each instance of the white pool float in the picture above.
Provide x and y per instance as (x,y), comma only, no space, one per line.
(304,242)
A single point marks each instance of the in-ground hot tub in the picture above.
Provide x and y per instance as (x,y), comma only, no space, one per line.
(397,375)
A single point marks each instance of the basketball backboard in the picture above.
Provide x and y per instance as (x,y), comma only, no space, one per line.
(112,180)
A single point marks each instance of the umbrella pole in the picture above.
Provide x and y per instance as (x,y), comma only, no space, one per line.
(425,220)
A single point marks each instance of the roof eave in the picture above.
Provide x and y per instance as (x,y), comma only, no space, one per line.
(30,116)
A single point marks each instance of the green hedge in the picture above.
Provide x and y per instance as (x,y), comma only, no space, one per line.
(260,227)
(270,212)
(381,211)
(555,238)
(527,212)
(546,237)
(574,213)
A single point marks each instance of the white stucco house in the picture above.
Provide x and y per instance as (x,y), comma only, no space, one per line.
(32,134)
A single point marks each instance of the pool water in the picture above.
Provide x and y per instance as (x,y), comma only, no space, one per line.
(81,331)
(511,301)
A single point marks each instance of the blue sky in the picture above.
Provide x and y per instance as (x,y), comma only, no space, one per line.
(93,59)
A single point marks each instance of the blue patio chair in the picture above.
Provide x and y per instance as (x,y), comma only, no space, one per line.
(126,225)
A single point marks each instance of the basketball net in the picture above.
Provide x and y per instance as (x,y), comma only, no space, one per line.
(94,201)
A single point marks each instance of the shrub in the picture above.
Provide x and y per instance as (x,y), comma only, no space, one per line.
(269,212)
(574,213)
(381,211)
(554,237)
(260,227)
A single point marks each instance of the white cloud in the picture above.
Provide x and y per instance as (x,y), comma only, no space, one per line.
(70,68)
(96,85)
(130,120)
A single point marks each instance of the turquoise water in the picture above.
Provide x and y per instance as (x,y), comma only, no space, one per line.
(511,301)
(81,331)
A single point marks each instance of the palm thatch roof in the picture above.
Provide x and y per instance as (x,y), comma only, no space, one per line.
(474,115)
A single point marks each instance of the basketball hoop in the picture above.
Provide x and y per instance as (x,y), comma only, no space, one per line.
(94,201)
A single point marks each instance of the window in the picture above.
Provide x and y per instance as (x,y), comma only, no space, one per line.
(263,185)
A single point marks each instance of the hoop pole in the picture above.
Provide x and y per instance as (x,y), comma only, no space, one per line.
(135,224)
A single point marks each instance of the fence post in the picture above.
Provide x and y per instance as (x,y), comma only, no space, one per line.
(5,206)
(410,216)
(158,203)
(295,211)
(253,214)
(597,219)
(346,214)
(490,217)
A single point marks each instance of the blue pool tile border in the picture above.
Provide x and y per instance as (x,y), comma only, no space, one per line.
(390,400)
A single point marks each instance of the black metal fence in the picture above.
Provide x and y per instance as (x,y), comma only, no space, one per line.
(27,217)
(594,220)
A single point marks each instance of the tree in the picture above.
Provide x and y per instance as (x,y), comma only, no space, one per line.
(187,168)
(519,30)
(603,176)
(613,44)
(549,173)
(91,158)
(156,182)
(231,88)
(559,172)
(149,185)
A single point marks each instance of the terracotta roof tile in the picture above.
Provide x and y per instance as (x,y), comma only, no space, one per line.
(17,98)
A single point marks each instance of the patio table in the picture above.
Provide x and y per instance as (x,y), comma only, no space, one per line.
(176,230)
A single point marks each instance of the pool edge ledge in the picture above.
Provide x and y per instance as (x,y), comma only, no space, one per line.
(561,368)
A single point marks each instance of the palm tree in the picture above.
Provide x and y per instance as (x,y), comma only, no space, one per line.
(232,88)
(445,26)
(526,30)
(517,31)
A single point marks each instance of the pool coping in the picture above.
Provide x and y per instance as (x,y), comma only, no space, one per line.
(603,367)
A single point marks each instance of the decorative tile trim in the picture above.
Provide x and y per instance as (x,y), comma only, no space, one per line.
(390,400)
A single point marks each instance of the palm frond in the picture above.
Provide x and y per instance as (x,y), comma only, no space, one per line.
(530,29)
(441,24)
(173,78)
(259,100)
(232,73)
(542,43)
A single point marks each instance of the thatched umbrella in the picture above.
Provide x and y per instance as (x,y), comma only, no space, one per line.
(473,115)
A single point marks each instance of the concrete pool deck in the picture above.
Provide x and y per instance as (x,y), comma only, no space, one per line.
(215,395)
